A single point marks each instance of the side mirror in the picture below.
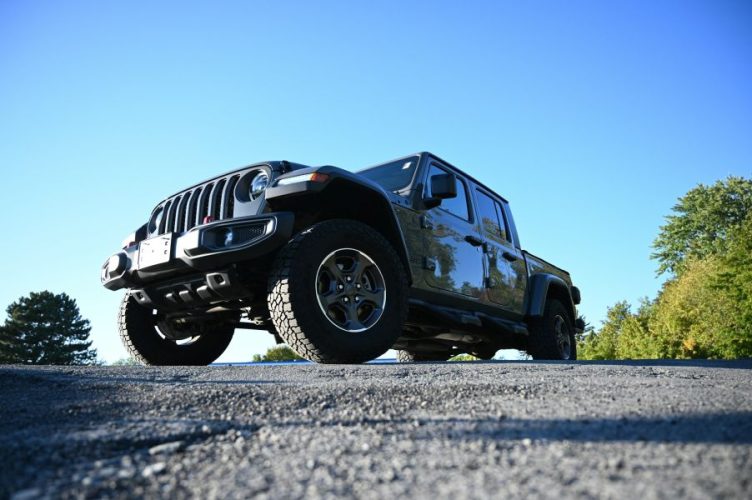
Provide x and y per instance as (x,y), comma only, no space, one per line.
(443,186)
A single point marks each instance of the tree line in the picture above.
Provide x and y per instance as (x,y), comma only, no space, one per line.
(704,308)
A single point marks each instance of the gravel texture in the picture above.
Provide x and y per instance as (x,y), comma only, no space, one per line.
(446,430)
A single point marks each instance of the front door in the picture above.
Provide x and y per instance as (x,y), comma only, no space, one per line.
(455,257)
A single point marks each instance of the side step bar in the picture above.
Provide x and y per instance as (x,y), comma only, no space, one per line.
(469,320)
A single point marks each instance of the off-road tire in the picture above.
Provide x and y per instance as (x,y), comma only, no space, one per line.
(543,343)
(293,301)
(143,342)
(417,357)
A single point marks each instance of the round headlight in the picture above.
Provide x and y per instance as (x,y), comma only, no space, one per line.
(156,220)
(259,184)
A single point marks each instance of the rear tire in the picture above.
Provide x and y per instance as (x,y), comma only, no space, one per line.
(138,327)
(552,336)
(338,293)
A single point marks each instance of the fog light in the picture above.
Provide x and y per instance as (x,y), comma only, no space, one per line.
(229,235)
(115,264)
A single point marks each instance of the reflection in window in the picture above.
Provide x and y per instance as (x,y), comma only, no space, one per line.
(488,210)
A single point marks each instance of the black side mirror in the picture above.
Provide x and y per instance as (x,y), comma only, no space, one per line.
(443,186)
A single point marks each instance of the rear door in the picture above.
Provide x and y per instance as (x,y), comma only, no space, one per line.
(505,281)
(454,258)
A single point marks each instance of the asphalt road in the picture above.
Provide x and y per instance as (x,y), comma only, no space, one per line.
(452,430)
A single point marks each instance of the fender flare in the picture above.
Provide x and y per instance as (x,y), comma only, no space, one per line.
(540,284)
(341,183)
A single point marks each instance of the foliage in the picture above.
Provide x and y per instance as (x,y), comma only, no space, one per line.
(702,222)
(277,353)
(45,328)
(126,362)
(693,317)
(602,345)
(735,279)
(463,357)
(705,311)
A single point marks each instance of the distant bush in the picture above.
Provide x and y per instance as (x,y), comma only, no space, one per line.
(126,362)
(463,357)
(277,353)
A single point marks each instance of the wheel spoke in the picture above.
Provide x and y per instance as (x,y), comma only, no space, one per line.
(330,298)
(351,313)
(376,297)
(330,265)
(359,267)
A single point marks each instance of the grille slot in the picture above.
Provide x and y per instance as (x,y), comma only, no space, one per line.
(180,218)
(171,214)
(163,222)
(228,199)
(191,218)
(216,204)
(203,210)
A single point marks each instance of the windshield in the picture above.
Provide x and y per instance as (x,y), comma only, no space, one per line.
(393,176)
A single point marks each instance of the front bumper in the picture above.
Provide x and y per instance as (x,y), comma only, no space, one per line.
(204,248)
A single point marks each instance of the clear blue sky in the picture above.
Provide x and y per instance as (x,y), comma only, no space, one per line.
(590,117)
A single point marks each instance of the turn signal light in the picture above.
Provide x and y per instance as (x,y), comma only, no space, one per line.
(312,177)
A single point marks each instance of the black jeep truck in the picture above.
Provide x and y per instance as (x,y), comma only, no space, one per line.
(413,254)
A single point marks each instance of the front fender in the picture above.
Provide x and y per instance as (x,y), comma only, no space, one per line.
(338,193)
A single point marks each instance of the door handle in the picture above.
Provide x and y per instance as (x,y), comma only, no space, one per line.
(473,240)
(509,256)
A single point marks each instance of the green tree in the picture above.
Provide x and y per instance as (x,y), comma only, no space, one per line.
(636,340)
(7,346)
(693,317)
(603,343)
(702,222)
(277,353)
(45,328)
(735,279)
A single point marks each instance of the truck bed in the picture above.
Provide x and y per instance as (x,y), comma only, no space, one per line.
(535,265)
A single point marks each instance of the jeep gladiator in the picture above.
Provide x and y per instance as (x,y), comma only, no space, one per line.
(413,254)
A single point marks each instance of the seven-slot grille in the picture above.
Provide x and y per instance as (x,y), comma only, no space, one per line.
(186,210)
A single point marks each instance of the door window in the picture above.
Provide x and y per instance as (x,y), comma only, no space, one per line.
(488,211)
(455,206)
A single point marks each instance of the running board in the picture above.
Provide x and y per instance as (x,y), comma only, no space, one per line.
(461,319)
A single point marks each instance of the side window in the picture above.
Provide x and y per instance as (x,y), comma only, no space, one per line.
(489,212)
(456,206)
(505,232)
(489,217)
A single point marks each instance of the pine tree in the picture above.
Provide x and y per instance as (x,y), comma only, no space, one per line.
(45,328)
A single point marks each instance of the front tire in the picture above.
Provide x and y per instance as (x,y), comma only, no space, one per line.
(552,336)
(337,293)
(140,333)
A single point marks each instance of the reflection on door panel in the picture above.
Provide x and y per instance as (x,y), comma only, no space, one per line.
(504,281)
(458,264)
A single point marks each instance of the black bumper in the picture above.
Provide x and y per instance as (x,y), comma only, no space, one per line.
(204,249)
